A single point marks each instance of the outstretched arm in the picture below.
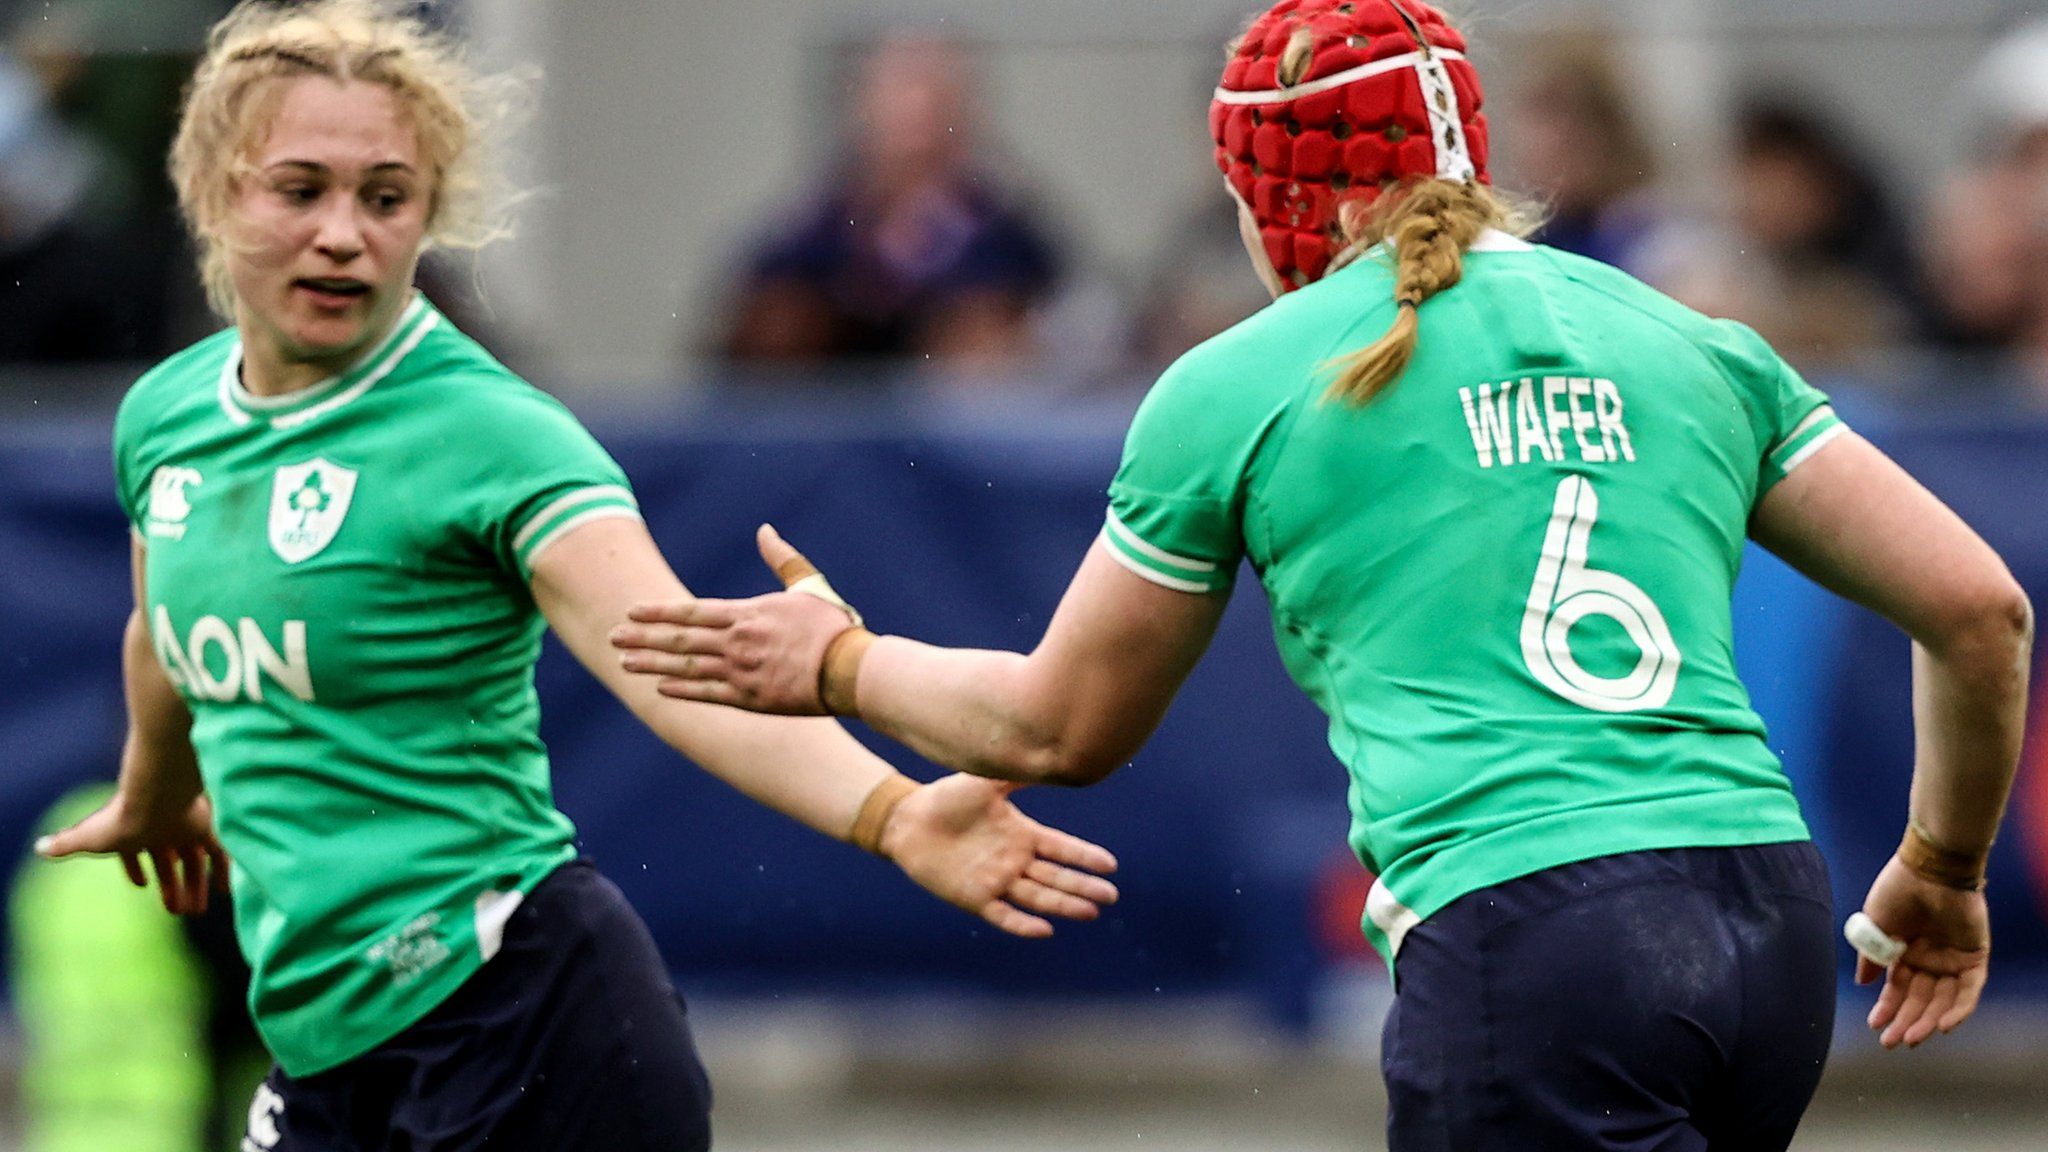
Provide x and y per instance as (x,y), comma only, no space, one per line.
(159,809)
(1859,525)
(960,838)
(1073,710)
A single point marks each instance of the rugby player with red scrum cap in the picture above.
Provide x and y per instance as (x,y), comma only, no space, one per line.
(1497,496)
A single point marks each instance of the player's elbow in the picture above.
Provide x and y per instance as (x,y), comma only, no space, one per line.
(1085,766)
(1990,628)
(1062,762)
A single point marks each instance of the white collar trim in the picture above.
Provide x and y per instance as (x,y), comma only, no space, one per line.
(1490,240)
(243,406)
(1495,240)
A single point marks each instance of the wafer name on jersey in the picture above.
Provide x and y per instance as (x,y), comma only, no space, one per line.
(1547,416)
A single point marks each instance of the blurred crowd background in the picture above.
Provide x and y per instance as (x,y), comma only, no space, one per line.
(1017,198)
(912,262)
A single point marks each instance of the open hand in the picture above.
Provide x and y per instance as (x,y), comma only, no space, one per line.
(180,844)
(1935,985)
(761,654)
(964,841)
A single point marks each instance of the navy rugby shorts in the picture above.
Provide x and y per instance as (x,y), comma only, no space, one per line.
(571,1039)
(1669,1001)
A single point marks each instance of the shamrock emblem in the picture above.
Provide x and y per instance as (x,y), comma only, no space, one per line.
(307,504)
(311,497)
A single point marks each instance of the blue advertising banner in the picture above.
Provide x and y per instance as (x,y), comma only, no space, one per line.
(1229,825)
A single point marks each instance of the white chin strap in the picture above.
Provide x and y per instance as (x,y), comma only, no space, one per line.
(1255,244)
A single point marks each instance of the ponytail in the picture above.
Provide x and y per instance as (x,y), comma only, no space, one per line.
(1429,229)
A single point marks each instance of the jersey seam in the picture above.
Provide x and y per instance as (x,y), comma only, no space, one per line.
(1322,651)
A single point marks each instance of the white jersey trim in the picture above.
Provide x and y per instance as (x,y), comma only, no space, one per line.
(243,406)
(1489,240)
(1816,444)
(608,512)
(1495,240)
(1138,544)
(1812,418)
(307,415)
(1390,916)
(1152,574)
(539,520)
(493,912)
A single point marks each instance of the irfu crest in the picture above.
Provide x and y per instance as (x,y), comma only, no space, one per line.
(307,504)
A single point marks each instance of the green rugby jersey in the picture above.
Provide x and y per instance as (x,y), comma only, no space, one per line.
(337,582)
(1507,579)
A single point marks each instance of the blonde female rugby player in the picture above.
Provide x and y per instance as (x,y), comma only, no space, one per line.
(351,525)
(1497,496)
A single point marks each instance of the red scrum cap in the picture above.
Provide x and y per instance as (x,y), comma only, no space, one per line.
(1328,101)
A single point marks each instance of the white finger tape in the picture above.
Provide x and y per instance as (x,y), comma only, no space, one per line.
(816,585)
(1871,942)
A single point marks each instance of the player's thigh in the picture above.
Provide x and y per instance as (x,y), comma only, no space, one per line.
(572,1038)
(1583,1008)
(616,1068)
(1786,926)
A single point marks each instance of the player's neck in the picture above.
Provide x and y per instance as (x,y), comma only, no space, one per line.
(274,375)
(269,369)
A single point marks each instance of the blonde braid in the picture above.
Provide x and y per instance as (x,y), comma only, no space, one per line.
(1429,228)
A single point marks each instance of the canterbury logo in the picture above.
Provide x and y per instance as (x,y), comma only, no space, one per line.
(169,504)
(263,1113)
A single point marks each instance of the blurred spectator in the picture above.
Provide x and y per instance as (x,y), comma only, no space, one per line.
(1204,283)
(2006,101)
(1987,239)
(1986,258)
(70,288)
(112,279)
(1842,280)
(911,248)
(1581,149)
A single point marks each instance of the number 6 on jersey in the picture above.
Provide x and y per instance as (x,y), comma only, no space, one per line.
(1566,591)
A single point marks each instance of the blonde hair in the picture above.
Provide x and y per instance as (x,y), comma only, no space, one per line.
(1296,57)
(230,100)
(1429,224)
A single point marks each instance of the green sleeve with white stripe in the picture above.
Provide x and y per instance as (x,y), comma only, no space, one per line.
(1176,507)
(535,474)
(1792,419)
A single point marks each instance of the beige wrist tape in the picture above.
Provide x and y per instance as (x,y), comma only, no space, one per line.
(839,672)
(1936,864)
(876,809)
